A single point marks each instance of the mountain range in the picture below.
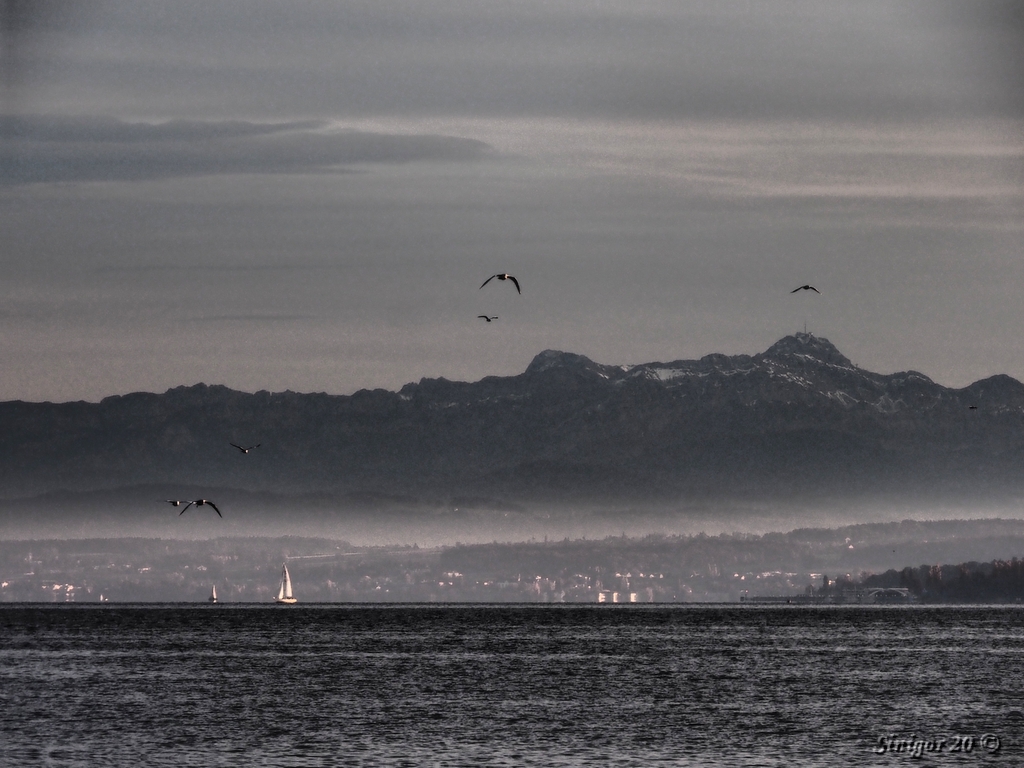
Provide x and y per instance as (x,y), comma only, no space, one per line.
(794,421)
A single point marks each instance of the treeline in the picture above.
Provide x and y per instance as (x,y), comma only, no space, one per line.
(998,581)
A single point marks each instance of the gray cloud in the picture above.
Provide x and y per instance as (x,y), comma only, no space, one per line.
(648,59)
(48,149)
(27,30)
(110,130)
(253,317)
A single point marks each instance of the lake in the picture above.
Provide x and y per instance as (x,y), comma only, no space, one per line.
(520,685)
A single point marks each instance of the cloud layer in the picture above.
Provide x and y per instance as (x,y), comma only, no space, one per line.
(54,149)
(713,59)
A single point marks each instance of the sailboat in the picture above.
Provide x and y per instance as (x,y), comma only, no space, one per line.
(284,594)
(213,594)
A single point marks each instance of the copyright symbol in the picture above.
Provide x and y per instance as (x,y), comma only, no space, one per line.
(989,742)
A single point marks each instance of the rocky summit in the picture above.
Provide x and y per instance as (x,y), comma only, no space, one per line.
(797,419)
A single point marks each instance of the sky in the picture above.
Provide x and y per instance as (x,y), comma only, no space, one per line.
(307,196)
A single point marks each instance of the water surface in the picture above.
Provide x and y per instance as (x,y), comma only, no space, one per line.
(468,685)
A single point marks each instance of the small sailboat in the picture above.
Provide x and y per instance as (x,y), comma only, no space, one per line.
(213,595)
(284,594)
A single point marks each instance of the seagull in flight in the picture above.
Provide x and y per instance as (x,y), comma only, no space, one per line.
(245,449)
(805,288)
(503,277)
(488,319)
(199,503)
(175,502)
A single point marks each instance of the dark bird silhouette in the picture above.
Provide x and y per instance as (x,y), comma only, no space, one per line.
(175,502)
(245,450)
(805,288)
(972,407)
(503,277)
(199,503)
(488,319)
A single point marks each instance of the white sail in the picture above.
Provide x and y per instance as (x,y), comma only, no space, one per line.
(213,594)
(284,594)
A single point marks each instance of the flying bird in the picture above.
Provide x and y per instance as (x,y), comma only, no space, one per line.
(244,449)
(805,288)
(199,503)
(175,502)
(503,277)
(488,319)
(972,407)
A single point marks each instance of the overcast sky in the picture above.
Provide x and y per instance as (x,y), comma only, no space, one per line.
(308,195)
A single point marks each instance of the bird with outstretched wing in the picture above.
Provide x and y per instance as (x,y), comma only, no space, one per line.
(504,276)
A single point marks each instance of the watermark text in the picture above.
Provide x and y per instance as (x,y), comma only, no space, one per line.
(920,746)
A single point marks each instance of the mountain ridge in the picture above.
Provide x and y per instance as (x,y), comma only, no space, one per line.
(798,418)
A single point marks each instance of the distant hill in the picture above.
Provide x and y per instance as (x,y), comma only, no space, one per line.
(655,568)
(796,421)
